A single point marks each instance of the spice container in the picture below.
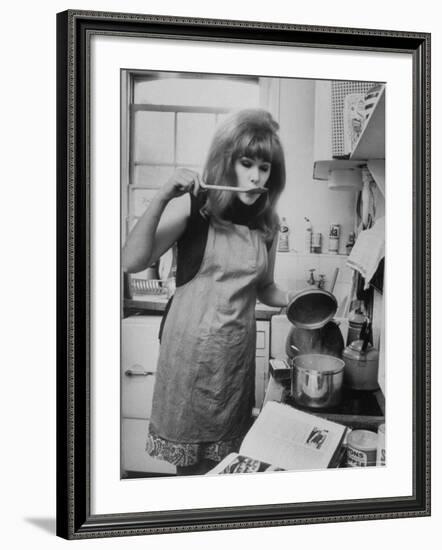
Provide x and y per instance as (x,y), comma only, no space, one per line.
(333,238)
(283,243)
(361,448)
(308,235)
(316,243)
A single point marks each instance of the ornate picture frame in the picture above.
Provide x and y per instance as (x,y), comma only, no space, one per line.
(76,518)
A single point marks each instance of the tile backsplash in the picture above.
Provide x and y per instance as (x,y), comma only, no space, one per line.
(292,271)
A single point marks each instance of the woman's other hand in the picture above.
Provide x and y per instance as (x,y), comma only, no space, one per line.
(181,182)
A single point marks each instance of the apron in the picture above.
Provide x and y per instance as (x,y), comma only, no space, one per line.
(205,382)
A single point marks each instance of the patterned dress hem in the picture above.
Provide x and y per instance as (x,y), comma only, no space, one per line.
(188,454)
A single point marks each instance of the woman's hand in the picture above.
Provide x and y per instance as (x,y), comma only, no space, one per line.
(182,181)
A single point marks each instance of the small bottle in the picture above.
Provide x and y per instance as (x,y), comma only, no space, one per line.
(308,235)
(350,242)
(283,243)
(356,321)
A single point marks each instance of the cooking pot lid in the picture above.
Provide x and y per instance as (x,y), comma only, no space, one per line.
(312,308)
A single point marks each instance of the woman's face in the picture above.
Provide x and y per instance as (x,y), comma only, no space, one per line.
(251,172)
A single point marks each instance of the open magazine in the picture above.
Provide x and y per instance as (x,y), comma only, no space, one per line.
(284,438)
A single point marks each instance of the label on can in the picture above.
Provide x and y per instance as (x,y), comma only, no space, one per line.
(356,457)
(335,230)
(361,448)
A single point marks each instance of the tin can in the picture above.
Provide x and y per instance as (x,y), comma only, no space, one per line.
(335,230)
(380,452)
(361,448)
(333,238)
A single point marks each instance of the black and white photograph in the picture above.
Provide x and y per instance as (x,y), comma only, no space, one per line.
(252,273)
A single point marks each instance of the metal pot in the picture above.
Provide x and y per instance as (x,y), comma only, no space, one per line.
(312,308)
(317,380)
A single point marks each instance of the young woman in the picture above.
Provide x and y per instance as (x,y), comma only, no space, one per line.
(226,246)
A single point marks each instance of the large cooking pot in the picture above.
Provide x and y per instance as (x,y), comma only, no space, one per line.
(316,381)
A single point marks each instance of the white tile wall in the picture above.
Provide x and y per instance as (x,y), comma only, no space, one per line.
(292,271)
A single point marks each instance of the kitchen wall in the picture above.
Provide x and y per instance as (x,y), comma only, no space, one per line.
(305,197)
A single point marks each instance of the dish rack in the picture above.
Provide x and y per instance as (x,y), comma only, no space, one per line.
(152,287)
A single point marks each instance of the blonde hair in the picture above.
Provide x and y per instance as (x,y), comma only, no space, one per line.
(251,133)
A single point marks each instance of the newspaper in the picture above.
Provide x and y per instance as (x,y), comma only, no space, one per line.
(284,438)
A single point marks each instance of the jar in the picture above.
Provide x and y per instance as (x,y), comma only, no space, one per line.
(361,448)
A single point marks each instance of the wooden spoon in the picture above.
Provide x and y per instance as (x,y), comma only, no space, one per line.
(251,190)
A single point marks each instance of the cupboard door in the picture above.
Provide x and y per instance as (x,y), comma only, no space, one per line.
(137,392)
(140,349)
(262,361)
(134,457)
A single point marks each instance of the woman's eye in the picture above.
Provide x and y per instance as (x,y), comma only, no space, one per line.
(265,168)
(246,163)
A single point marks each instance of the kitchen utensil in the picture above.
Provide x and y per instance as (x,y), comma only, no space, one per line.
(317,380)
(312,308)
(361,367)
(251,190)
(333,282)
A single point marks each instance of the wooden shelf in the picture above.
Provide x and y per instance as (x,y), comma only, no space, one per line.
(323,168)
(371,143)
(370,146)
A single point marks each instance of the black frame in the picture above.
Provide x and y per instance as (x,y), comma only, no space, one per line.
(74,519)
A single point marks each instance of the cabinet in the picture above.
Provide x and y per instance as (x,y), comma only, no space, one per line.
(262,361)
(140,348)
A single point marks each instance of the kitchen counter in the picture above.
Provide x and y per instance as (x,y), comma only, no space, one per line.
(156,305)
